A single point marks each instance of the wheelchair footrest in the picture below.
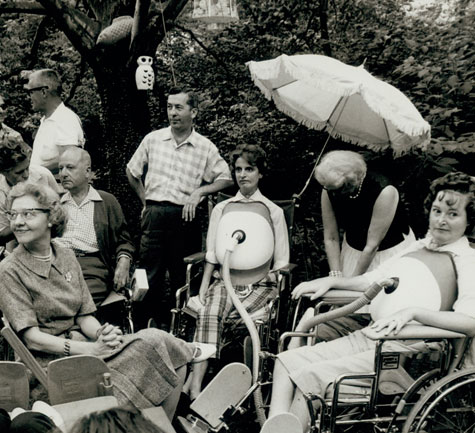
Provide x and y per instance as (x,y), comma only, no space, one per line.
(191,424)
(226,389)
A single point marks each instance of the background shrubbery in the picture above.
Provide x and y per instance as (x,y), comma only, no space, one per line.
(430,59)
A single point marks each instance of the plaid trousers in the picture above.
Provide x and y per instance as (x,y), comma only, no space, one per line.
(219,308)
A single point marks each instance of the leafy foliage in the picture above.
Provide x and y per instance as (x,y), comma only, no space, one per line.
(432,62)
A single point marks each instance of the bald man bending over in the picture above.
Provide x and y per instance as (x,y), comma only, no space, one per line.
(96,227)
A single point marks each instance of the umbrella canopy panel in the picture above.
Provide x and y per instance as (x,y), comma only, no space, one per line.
(346,101)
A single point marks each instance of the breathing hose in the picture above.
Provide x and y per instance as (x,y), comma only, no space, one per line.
(365,298)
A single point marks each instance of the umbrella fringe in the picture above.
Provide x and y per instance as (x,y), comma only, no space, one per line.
(265,91)
(319,126)
(404,124)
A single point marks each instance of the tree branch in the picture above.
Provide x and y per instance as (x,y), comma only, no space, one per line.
(140,20)
(77,80)
(148,40)
(39,36)
(22,8)
(324,28)
(81,30)
(205,48)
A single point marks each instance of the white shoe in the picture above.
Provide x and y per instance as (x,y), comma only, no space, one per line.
(202,352)
(49,411)
(17,411)
(282,423)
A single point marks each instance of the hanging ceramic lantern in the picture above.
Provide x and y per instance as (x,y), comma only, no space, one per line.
(144,75)
(215,11)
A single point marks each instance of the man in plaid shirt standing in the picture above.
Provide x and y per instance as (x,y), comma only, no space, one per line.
(171,171)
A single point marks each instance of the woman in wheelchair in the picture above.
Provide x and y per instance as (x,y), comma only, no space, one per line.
(451,208)
(248,166)
(46,301)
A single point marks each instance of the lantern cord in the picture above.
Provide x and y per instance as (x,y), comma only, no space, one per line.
(166,42)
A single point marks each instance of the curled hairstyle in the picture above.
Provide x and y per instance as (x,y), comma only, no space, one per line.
(192,99)
(13,151)
(115,420)
(340,167)
(458,182)
(46,198)
(253,154)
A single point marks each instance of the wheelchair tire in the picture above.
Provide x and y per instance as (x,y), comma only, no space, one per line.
(447,406)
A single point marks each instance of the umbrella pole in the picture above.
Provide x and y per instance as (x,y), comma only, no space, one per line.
(324,146)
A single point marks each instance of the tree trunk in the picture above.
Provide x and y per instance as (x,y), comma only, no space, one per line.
(124,121)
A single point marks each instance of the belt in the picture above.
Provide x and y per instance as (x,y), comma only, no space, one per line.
(162,203)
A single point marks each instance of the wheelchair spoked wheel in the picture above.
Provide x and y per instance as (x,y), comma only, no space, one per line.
(447,406)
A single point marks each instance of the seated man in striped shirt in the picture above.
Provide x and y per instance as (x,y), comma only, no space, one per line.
(180,167)
(96,228)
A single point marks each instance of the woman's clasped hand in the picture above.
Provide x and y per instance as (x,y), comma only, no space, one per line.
(109,338)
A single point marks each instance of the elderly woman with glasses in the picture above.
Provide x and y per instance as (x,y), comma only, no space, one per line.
(44,297)
(15,167)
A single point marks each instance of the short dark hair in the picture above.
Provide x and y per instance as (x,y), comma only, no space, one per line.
(46,197)
(192,100)
(13,151)
(252,153)
(458,182)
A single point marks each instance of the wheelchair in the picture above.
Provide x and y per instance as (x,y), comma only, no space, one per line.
(439,396)
(428,390)
(124,300)
(268,320)
(424,391)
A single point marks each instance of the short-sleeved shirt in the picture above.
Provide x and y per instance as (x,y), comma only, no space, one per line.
(281,234)
(38,175)
(174,171)
(50,295)
(62,128)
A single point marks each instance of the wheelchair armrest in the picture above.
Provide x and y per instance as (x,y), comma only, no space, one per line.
(415,332)
(338,296)
(287,269)
(290,334)
(193,259)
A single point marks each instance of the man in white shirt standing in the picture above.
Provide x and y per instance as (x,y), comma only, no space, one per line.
(60,127)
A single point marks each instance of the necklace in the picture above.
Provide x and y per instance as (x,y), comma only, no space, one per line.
(359,188)
(45,258)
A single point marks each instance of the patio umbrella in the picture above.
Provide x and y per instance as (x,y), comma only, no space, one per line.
(346,101)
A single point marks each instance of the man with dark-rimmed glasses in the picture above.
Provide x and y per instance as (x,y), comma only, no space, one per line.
(60,127)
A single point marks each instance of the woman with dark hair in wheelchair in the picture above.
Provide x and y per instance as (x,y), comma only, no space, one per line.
(45,299)
(249,165)
(451,208)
